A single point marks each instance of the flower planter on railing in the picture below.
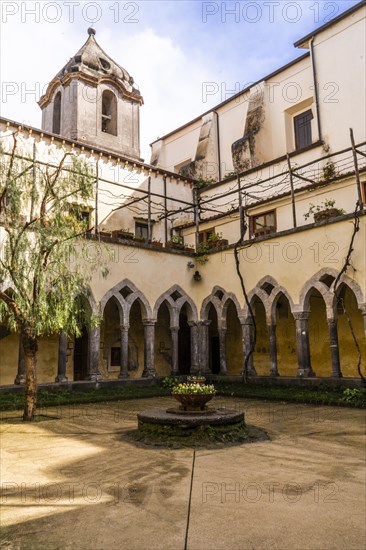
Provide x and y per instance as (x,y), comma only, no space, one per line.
(118,234)
(218,244)
(266,230)
(327,214)
(175,246)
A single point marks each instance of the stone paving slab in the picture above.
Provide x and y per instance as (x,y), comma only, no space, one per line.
(74,482)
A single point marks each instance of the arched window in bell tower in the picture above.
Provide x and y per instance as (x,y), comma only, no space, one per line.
(109,113)
(56,123)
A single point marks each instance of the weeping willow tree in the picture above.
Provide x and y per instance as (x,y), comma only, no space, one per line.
(41,262)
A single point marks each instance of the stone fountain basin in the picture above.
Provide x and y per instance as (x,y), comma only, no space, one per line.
(188,419)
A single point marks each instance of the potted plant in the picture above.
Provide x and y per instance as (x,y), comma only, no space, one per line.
(175,242)
(201,256)
(157,243)
(139,239)
(193,397)
(264,230)
(196,379)
(122,234)
(324,211)
(105,234)
(215,240)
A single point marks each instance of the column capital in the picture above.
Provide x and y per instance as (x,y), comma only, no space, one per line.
(124,328)
(204,323)
(245,321)
(193,323)
(149,322)
(174,328)
(301,315)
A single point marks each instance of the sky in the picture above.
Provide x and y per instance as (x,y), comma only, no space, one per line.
(185,56)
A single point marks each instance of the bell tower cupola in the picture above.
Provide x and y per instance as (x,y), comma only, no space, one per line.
(93,100)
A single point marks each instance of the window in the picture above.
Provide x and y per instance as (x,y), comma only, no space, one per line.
(115,356)
(82,214)
(141,230)
(56,122)
(302,125)
(203,236)
(109,113)
(263,224)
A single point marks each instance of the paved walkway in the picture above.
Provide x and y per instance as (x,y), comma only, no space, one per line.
(76,483)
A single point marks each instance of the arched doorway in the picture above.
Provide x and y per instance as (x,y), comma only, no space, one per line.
(184,342)
(286,338)
(261,352)
(347,347)
(234,348)
(319,335)
(81,342)
(111,339)
(213,341)
(136,341)
(163,342)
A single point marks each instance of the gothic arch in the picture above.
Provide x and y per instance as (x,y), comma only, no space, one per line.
(275,296)
(225,302)
(216,303)
(125,303)
(263,297)
(175,299)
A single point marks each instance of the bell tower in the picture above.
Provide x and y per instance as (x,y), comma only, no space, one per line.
(93,100)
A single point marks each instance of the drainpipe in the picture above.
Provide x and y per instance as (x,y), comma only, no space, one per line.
(218,142)
(316,90)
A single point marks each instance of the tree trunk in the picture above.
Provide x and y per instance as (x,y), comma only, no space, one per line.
(30,345)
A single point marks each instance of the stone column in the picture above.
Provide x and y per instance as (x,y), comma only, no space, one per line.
(204,354)
(363,311)
(20,377)
(247,340)
(273,370)
(149,348)
(93,355)
(222,340)
(62,358)
(124,351)
(334,348)
(195,367)
(175,366)
(303,344)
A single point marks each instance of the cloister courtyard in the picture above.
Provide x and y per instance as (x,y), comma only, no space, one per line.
(75,480)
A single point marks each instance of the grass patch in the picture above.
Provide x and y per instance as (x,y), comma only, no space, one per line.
(320,395)
(15,401)
(175,437)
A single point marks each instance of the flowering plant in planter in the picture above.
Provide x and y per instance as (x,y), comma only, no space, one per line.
(193,397)
(196,379)
(189,388)
(324,211)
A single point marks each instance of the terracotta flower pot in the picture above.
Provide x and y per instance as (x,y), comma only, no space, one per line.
(193,401)
(327,214)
